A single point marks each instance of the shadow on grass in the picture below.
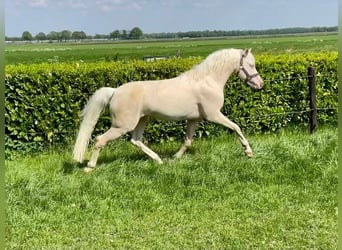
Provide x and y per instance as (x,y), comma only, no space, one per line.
(69,167)
(129,157)
(135,154)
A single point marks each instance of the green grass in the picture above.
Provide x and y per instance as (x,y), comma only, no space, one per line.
(213,198)
(73,52)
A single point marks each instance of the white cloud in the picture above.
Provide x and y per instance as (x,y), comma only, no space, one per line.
(100,5)
(171,3)
(29,3)
(111,5)
(197,3)
(136,5)
(38,3)
(78,4)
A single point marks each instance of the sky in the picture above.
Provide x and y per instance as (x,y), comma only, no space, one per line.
(153,16)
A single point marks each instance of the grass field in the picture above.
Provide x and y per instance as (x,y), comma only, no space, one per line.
(92,52)
(213,198)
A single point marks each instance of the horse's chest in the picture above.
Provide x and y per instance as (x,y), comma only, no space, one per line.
(212,98)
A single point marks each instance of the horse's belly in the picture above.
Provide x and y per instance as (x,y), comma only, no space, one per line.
(175,113)
(174,117)
(171,102)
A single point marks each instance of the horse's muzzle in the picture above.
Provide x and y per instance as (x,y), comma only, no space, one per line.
(255,85)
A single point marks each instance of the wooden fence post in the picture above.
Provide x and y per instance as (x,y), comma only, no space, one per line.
(312,98)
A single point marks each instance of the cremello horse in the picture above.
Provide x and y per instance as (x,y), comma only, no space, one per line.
(195,95)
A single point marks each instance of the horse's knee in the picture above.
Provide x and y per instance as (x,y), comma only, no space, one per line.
(99,143)
(187,143)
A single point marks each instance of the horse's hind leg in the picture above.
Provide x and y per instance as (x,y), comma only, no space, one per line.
(101,142)
(137,137)
(190,130)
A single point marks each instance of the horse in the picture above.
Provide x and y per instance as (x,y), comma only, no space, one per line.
(195,95)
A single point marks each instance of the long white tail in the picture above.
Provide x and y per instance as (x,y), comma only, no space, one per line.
(91,113)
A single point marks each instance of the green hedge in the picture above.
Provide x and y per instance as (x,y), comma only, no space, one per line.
(43,101)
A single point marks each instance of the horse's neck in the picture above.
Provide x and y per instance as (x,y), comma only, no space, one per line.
(221,74)
(219,68)
(222,77)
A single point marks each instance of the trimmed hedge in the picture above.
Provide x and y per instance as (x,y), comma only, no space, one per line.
(43,101)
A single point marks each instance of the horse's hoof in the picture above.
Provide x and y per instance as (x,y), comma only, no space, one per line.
(177,156)
(88,169)
(249,154)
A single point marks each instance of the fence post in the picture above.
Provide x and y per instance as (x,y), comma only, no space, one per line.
(312,98)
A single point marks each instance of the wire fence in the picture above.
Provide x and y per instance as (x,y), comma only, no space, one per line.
(306,77)
(254,118)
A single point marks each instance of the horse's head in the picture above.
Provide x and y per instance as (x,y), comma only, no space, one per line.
(247,71)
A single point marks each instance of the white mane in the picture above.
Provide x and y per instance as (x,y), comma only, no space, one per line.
(219,61)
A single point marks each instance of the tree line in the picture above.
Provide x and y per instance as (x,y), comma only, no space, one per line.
(67,35)
(136,33)
(232,33)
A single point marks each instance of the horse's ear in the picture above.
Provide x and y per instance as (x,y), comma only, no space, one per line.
(246,52)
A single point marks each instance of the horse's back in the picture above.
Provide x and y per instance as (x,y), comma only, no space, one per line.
(167,99)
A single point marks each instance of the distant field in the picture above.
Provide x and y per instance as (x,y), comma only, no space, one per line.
(106,51)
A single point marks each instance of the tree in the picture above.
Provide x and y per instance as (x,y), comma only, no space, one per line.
(83,35)
(65,35)
(115,35)
(26,36)
(136,33)
(40,36)
(53,35)
(101,36)
(124,34)
(78,35)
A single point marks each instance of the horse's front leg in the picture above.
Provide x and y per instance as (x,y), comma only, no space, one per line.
(190,130)
(219,118)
